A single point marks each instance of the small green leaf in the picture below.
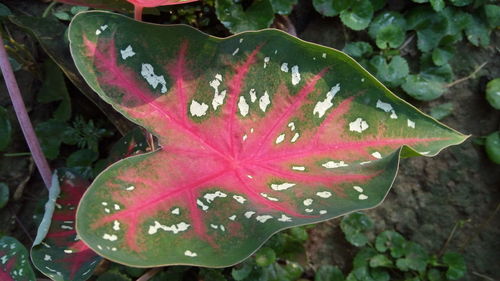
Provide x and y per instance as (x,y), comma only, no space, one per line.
(237,19)
(422,88)
(390,36)
(415,258)
(434,275)
(441,111)
(51,134)
(379,274)
(62,15)
(492,146)
(329,273)
(293,270)
(265,256)
(54,89)
(392,73)
(212,275)
(456,265)
(477,32)
(380,261)
(325,7)
(437,5)
(385,19)
(492,15)
(461,3)
(358,49)
(358,16)
(283,7)
(441,55)
(4,11)
(391,240)
(4,194)
(492,93)
(354,225)
(5,129)
(82,158)
(242,271)
(77,9)
(113,275)
(378,4)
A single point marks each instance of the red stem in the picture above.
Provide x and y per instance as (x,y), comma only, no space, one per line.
(22,116)
(138,12)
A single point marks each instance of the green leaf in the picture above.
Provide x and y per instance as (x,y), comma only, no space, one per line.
(390,36)
(492,15)
(242,271)
(14,261)
(329,273)
(113,275)
(392,73)
(423,88)
(456,265)
(4,194)
(442,110)
(441,55)
(362,258)
(354,225)
(4,11)
(51,134)
(477,32)
(434,275)
(380,261)
(358,49)
(492,146)
(391,240)
(246,127)
(358,15)
(385,19)
(234,17)
(325,7)
(54,89)
(492,93)
(265,257)
(378,4)
(461,3)
(437,5)
(212,275)
(5,129)
(82,158)
(283,7)
(415,258)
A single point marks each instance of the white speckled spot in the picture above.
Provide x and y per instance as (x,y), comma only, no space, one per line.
(188,253)
(280,138)
(322,212)
(68,251)
(243,106)
(323,55)
(241,40)
(233,217)
(264,101)
(104,203)
(202,205)
(377,155)
(107,210)
(282,186)
(209,197)
(308,202)
(47,258)
(154,80)
(334,165)
(358,125)
(176,211)
(387,107)
(365,162)
(218,97)
(245,136)
(130,188)
(266,61)
(324,194)
(116,206)
(362,197)
(295,137)
(116,225)
(265,195)
(411,124)
(295,75)
(309,210)
(284,67)
(174,228)
(284,218)
(236,51)
(394,115)
(97,32)
(253,95)
(197,109)
(263,218)
(110,237)
(298,168)
(358,188)
(127,52)
(249,214)
(322,106)
(291,125)
(239,199)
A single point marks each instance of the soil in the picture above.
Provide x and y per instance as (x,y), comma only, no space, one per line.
(431,196)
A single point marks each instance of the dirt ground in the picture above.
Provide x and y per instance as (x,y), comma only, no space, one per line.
(431,195)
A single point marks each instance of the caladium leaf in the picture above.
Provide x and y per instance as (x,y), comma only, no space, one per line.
(57,251)
(124,5)
(259,132)
(14,262)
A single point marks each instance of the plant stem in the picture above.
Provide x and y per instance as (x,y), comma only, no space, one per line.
(138,12)
(22,116)
(149,274)
(48,9)
(17,154)
(466,77)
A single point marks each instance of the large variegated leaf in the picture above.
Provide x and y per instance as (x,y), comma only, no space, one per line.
(124,5)
(14,262)
(259,132)
(57,251)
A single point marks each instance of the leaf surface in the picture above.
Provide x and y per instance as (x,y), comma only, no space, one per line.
(258,132)
(14,262)
(57,251)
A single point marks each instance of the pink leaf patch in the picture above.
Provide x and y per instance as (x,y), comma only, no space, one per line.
(14,261)
(258,132)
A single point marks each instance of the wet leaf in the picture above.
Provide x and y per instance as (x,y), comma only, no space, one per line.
(492,15)
(437,5)
(57,252)
(358,15)
(492,93)
(456,265)
(325,7)
(392,73)
(380,261)
(256,136)
(492,146)
(358,49)
(329,273)
(354,226)
(5,129)
(265,257)
(14,261)
(441,111)
(415,258)
(4,194)
(423,88)
(243,271)
(388,18)
(391,240)
(461,3)
(283,7)
(477,32)
(234,17)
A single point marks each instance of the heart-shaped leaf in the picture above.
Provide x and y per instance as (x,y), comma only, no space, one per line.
(259,132)
(57,251)
(14,262)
